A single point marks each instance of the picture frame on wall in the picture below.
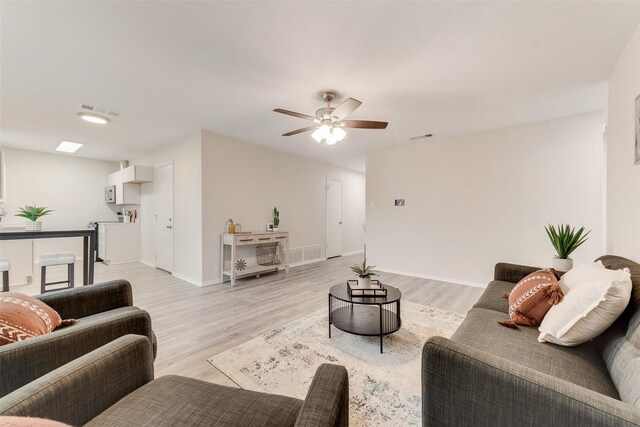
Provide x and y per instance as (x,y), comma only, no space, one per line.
(636,120)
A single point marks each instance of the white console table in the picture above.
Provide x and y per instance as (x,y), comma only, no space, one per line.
(238,254)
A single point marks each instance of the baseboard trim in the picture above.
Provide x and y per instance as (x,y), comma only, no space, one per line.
(352,253)
(148,263)
(309,261)
(438,278)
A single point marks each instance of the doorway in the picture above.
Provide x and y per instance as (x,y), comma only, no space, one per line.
(164,217)
(334,218)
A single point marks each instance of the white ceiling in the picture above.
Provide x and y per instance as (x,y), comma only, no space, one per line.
(173,68)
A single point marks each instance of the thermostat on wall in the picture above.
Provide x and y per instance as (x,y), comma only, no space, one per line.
(399,202)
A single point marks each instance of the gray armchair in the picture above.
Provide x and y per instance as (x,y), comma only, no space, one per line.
(104,312)
(114,386)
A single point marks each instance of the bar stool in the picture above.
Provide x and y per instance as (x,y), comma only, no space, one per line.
(5,267)
(61,258)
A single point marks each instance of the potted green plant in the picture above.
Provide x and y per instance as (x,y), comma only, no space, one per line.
(32,214)
(365,273)
(565,240)
(276,219)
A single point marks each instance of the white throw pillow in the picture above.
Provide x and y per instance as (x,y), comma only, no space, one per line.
(594,298)
(583,273)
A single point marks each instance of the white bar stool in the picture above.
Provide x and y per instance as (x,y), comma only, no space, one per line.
(5,267)
(60,258)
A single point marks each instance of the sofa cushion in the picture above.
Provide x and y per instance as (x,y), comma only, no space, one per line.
(195,402)
(492,299)
(581,365)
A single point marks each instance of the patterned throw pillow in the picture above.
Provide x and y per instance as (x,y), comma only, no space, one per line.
(532,298)
(22,317)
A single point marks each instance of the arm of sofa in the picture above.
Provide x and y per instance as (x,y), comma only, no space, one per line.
(91,299)
(462,385)
(513,273)
(327,401)
(80,390)
(24,361)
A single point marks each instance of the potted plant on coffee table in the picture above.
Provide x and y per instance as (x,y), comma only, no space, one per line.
(365,273)
(32,214)
(565,240)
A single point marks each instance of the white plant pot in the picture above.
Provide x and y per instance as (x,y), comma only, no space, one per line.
(33,225)
(560,264)
(364,282)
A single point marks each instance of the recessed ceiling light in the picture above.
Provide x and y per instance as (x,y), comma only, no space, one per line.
(94,118)
(69,146)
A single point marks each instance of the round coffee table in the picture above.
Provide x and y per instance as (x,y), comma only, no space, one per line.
(367,316)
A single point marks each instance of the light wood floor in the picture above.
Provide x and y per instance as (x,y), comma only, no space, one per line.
(194,323)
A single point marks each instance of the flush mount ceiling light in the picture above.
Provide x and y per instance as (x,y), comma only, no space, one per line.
(94,118)
(69,146)
(329,121)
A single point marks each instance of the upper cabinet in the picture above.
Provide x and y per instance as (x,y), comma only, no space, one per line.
(127,182)
(137,174)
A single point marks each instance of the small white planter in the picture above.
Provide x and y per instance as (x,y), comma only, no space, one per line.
(33,225)
(364,282)
(561,264)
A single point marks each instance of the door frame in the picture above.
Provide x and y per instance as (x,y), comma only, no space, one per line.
(173,214)
(326,213)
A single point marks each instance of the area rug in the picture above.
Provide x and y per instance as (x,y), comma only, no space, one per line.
(384,389)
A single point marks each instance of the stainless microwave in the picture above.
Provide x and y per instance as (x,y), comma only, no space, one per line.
(110,194)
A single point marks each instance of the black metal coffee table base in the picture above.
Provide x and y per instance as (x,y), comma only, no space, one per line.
(366,316)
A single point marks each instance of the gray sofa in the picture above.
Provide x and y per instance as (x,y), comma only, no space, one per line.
(114,386)
(487,374)
(104,312)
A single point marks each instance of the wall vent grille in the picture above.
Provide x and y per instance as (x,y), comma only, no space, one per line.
(305,253)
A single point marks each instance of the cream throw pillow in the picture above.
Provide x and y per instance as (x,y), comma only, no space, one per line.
(594,298)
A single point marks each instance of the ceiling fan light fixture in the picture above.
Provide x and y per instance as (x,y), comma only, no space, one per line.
(339,133)
(317,135)
(331,140)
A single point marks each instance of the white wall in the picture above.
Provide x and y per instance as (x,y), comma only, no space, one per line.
(485,198)
(187,207)
(72,186)
(623,178)
(245,181)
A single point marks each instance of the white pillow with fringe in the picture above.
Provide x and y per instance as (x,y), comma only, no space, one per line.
(594,298)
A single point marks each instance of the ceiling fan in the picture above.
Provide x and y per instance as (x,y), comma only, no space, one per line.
(330,121)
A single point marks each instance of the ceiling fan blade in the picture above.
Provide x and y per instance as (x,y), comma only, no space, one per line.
(297,131)
(347,107)
(364,124)
(294,114)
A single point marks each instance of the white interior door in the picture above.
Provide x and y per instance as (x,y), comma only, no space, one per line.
(334,218)
(164,217)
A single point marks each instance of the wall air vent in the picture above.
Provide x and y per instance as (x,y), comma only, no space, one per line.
(106,111)
(428,135)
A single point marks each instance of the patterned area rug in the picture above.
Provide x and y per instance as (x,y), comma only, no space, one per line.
(384,389)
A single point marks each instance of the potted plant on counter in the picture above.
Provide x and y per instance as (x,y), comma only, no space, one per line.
(32,214)
(365,273)
(565,240)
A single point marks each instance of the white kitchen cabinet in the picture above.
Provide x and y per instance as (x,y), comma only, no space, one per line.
(137,174)
(127,182)
(119,242)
